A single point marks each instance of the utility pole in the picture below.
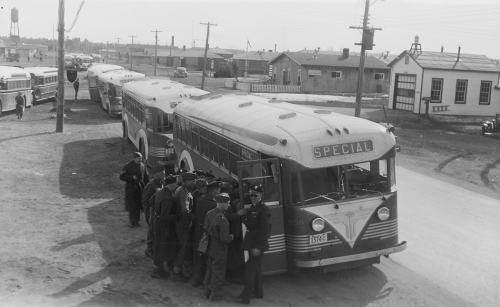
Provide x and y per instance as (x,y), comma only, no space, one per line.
(156,47)
(107,51)
(120,53)
(366,44)
(131,48)
(206,50)
(60,70)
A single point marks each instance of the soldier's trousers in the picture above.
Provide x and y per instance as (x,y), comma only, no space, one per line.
(216,272)
(184,237)
(149,239)
(200,265)
(253,278)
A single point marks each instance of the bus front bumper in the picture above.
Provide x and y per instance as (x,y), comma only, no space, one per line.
(344,259)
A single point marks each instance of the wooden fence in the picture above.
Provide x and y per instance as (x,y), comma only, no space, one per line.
(271,88)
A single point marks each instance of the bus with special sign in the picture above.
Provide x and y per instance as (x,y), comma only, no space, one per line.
(84,61)
(43,82)
(93,78)
(12,81)
(329,180)
(110,89)
(147,106)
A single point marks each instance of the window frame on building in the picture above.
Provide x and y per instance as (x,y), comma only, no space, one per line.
(461,91)
(336,74)
(435,90)
(380,74)
(481,93)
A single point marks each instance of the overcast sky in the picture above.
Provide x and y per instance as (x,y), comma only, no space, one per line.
(287,24)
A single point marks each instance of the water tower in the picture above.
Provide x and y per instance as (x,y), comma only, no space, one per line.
(14,25)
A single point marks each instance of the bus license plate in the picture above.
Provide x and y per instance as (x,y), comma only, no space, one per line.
(315,239)
(170,151)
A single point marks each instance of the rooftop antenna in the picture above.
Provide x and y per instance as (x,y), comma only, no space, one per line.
(416,47)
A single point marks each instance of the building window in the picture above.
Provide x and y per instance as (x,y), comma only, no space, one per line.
(336,74)
(407,59)
(289,79)
(298,75)
(485,92)
(379,76)
(436,90)
(461,91)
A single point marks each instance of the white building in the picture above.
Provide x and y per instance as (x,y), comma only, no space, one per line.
(455,84)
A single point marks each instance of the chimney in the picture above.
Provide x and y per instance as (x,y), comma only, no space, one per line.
(442,48)
(345,53)
(458,55)
(184,48)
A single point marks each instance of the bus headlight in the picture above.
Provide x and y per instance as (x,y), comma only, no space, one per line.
(383,213)
(318,224)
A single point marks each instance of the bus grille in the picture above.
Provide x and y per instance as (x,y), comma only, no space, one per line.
(301,244)
(157,152)
(382,230)
(276,244)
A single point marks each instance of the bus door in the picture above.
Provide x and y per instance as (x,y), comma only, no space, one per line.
(266,173)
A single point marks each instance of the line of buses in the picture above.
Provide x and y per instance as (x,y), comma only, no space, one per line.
(328,179)
(34,83)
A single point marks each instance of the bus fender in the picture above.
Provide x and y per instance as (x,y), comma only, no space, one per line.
(142,135)
(186,158)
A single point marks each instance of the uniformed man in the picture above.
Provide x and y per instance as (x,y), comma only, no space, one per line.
(200,189)
(210,177)
(151,188)
(184,204)
(163,219)
(200,173)
(217,226)
(255,242)
(202,205)
(19,106)
(136,177)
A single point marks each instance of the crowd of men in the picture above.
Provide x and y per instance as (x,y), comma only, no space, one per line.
(180,208)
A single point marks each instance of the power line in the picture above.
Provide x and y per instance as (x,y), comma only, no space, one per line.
(156,48)
(77,14)
(206,50)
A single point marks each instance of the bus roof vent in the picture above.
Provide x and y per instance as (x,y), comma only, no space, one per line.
(174,82)
(242,93)
(166,87)
(288,115)
(245,104)
(200,97)
(187,86)
(216,96)
(155,83)
(323,111)
(274,100)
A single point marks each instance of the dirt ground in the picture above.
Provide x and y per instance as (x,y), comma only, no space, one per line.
(64,234)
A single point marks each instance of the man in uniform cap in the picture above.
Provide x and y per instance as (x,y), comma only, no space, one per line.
(200,189)
(255,242)
(200,173)
(151,188)
(210,177)
(217,226)
(202,205)
(184,204)
(163,219)
(136,177)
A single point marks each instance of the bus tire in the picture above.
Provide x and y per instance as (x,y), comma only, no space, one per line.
(142,149)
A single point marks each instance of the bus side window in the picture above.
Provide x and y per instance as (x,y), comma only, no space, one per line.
(223,152)
(213,147)
(178,127)
(204,142)
(187,124)
(234,157)
(195,136)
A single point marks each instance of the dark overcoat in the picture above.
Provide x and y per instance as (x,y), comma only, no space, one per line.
(203,204)
(133,188)
(257,222)
(235,254)
(164,217)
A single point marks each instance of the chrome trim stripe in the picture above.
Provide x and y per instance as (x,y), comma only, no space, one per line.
(374,231)
(335,260)
(395,231)
(292,247)
(394,234)
(377,226)
(274,251)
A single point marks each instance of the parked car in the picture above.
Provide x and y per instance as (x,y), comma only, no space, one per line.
(491,126)
(13,57)
(181,72)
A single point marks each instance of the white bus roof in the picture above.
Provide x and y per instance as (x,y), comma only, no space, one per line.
(13,72)
(81,56)
(41,71)
(120,77)
(102,68)
(262,124)
(160,92)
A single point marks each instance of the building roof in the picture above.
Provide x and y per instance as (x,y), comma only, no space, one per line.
(198,54)
(218,50)
(256,56)
(331,60)
(167,53)
(448,61)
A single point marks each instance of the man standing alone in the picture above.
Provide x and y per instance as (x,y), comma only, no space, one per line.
(19,106)
(76,86)
(135,176)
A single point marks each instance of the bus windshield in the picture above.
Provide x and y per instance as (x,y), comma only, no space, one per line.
(342,182)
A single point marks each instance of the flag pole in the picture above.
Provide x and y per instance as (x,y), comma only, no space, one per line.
(246,60)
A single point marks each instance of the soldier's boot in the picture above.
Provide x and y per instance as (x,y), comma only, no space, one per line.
(159,272)
(207,292)
(216,296)
(179,277)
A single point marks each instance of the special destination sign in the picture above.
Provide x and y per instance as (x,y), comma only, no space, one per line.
(342,149)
